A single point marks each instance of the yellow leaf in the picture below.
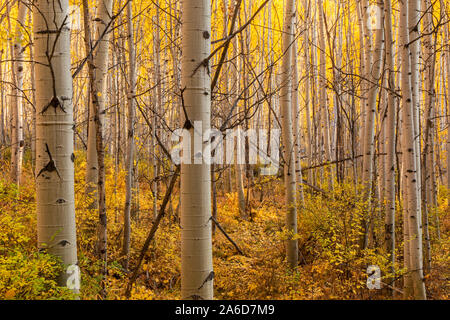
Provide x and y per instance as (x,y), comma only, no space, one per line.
(11,293)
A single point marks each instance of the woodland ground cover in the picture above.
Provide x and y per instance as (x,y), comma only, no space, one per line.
(331,264)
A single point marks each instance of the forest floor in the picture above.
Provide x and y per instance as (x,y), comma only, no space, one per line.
(331,264)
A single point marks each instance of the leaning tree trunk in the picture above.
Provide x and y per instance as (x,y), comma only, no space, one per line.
(196,246)
(411,206)
(55,201)
(17,142)
(288,145)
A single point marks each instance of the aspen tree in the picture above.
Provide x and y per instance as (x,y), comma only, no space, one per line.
(411,210)
(2,111)
(98,93)
(414,15)
(447,37)
(371,104)
(55,201)
(296,118)
(158,101)
(130,136)
(33,101)
(390,136)
(365,64)
(315,91)
(238,155)
(323,103)
(427,188)
(286,127)
(17,142)
(196,247)
(307,80)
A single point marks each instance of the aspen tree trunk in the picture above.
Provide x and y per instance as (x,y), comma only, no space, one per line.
(390,137)
(427,186)
(196,246)
(414,21)
(288,145)
(296,118)
(130,136)
(33,101)
(447,37)
(371,105)
(317,154)
(325,123)
(339,97)
(158,104)
(365,63)
(238,156)
(2,101)
(411,208)
(403,63)
(17,96)
(307,67)
(98,95)
(229,176)
(55,201)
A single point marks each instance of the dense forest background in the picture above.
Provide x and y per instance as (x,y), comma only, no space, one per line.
(352,96)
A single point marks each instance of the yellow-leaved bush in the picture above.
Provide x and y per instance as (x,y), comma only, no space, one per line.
(331,265)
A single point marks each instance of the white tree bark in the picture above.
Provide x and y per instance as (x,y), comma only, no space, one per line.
(286,125)
(323,103)
(447,37)
(411,206)
(158,102)
(55,201)
(390,136)
(130,136)
(371,105)
(307,80)
(296,121)
(238,155)
(98,94)
(196,247)
(427,187)
(17,95)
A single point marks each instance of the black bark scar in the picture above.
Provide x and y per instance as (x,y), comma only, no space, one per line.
(50,166)
(209,277)
(55,103)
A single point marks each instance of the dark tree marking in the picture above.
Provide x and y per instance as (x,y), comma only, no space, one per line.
(209,277)
(63,243)
(72,157)
(187,124)
(196,297)
(205,63)
(55,103)
(50,166)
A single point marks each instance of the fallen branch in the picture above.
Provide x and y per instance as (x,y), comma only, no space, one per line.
(323,192)
(152,232)
(227,236)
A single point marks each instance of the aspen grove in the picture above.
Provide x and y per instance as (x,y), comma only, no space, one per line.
(224,149)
